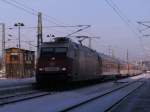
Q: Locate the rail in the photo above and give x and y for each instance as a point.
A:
(85, 105)
(20, 93)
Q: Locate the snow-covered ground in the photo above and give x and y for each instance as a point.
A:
(58, 101)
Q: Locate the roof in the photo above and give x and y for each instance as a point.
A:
(25, 50)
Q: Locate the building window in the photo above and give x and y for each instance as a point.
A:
(14, 58)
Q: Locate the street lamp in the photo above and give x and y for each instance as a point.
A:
(19, 25)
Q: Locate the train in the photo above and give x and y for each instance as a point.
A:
(67, 61)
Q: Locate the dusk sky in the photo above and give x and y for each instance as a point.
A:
(104, 21)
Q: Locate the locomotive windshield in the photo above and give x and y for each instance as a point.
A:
(60, 50)
(46, 51)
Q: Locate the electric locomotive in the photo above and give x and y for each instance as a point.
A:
(66, 61)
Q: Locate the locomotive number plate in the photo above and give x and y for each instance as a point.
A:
(51, 69)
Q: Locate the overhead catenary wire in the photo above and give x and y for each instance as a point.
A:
(33, 27)
(126, 21)
(144, 23)
(19, 7)
(29, 10)
(45, 15)
(118, 12)
(32, 11)
(26, 9)
(124, 18)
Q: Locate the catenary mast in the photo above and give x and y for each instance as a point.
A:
(39, 31)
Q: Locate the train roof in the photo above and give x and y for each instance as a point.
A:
(59, 42)
(102, 55)
(64, 42)
(107, 57)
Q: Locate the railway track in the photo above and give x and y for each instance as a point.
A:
(20, 93)
(104, 102)
(22, 96)
(97, 98)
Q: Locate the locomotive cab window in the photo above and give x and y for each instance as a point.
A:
(60, 50)
(45, 51)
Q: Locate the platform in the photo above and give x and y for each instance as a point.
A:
(138, 101)
(15, 82)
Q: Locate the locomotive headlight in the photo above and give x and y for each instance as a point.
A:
(64, 69)
(41, 69)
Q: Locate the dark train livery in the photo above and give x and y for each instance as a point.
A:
(64, 60)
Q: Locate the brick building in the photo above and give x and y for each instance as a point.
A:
(20, 63)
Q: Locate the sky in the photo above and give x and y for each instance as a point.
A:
(115, 35)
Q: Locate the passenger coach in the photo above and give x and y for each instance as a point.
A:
(64, 60)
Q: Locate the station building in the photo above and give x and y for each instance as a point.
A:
(20, 63)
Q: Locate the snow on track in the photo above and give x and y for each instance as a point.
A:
(59, 101)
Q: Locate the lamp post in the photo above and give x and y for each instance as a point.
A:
(20, 62)
(19, 25)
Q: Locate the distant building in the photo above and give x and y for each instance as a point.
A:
(146, 65)
(1, 66)
(20, 63)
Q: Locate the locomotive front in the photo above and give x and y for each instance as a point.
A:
(53, 63)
